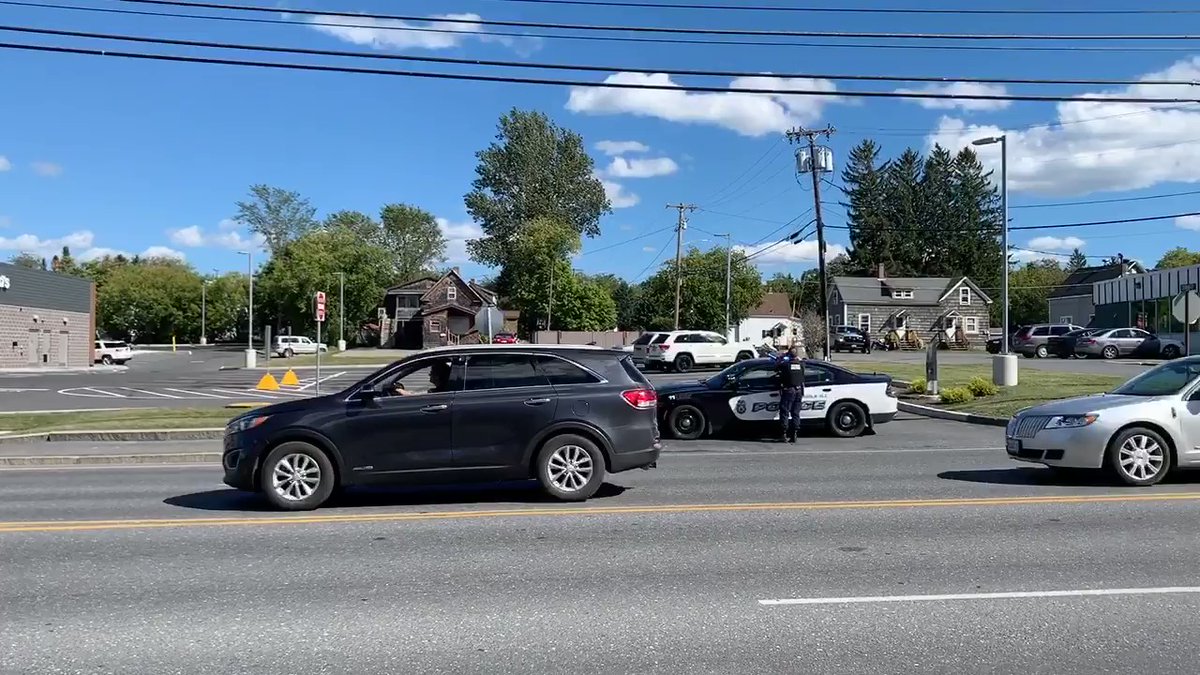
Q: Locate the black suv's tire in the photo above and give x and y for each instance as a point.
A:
(570, 468)
(686, 422)
(684, 363)
(847, 420)
(1127, 463)
(297, 476)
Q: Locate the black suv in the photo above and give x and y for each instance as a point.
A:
(849, 338)
(565, 416)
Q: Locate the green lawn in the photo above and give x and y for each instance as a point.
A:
(149, 418)
(1036, 386)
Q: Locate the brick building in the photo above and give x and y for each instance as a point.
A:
(46, 320)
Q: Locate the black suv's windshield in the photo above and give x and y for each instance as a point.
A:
(1165, 380)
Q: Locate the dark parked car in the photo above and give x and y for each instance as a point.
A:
(1065, 346)
(1034, 341)
(849, 339)
(994, 345)
(565, 416)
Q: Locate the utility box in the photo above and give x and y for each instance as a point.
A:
(823, 160)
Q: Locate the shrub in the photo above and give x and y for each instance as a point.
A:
(981, 387)
(953, 395)
(918, 386)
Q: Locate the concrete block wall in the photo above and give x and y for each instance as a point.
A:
(28, 342)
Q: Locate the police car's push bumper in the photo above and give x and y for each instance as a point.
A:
(880, 418)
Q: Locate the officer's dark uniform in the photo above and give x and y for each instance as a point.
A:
(791, 393)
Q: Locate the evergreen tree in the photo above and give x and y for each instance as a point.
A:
(937, 222)
(973, 243)
(871, 236)
(906, 250)
(1077, 260)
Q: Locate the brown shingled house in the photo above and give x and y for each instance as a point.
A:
(436, 311)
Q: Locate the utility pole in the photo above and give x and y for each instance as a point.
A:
(816, 168)
(550, 305)
(679, 228)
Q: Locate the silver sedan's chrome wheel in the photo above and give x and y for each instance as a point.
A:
(570, 468)
(1141, 457)
(296, 477)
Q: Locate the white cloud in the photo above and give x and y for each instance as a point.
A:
(31, 243)
(1097, 145)
(1048, 243)
(388, 34)
(1188, 222)
(457, 235)
(802, 252)
(5, 165)
(747, 114)
(195, 237)
(641, 168)
(618, 197)
(227, 224)
(47, 169)
(959, 89)
(614, 148)
(648, 249)
(163, 252)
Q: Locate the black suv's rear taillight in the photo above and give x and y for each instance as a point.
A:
(642, 399)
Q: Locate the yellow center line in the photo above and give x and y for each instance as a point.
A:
(78, 525)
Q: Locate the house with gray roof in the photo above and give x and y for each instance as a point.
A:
(923, 304)
(1072, 302)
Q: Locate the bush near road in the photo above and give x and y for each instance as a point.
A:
(1036, 386)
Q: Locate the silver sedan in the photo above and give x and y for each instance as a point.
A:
(1139, 431)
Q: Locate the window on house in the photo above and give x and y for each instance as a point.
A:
(971, 325)
(435, 325)
(1065, 319)
(451, 292)
(964, 296)
(864, 322)
(902, 295)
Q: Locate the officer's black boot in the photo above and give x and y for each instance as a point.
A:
(783, 428)
(791, 434)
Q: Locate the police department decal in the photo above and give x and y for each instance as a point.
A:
(741, 405)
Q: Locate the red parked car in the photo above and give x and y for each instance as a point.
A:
(504, 339)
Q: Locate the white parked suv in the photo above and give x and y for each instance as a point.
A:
(290, 345)
(683, 350)
(109, 352)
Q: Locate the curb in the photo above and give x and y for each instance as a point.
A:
(113, 460)
(103, 436)
(969, 418)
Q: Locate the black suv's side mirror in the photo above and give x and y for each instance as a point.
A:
(368, 393)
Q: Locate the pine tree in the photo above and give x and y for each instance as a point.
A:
(871, 235)
(937, 223)
(974, 243)
(902, 207)
(1077, 260)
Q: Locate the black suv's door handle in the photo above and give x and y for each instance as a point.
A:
(434, 408)
(537, 401)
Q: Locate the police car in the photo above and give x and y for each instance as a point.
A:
(746, 395)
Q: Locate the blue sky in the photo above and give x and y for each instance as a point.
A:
(116, 155)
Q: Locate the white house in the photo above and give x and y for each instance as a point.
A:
(773, 321)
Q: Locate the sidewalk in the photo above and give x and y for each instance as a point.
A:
(69, 453)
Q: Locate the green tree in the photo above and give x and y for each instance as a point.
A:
(581, 303)
(413, 238)
(152, 301)
(1029, 290)
(625, 296)
(355, 221)
(288, 282)
(1076, 261)
(533, 170)
(903, 209)
(937, 221)
(278, 215)
(872, 236)
(1178, 257)
(972, 239)
(227, 306)
(99, 269)
(538, 269)
(29, 261)
(64, 263)
(702, 306)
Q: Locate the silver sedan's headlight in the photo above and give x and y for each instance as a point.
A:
(1071, 421)
(244, 423)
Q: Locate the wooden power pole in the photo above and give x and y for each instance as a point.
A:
(679, 228)
(815, 168)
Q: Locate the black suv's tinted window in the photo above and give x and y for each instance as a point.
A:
(559, 371)
(501, 371)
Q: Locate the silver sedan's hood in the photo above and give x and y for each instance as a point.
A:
(1087, 404)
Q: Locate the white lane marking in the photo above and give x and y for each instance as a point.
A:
(1009, 595)
(288, 392)
(19, 391)
(158, 394)
(245, 393)
(194, 393)
(98, 393)
(323, 379)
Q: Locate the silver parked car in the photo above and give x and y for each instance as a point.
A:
(1117, 342)
(1139, 431)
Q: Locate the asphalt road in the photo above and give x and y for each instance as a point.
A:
(162, 570)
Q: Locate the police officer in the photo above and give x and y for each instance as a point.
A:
(790, 369)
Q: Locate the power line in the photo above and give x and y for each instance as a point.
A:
(981, 230)
(611, 38)
(1106, 201)
(666, 29)
(849, 10)
(656, 257)
(772, 151)
(550, 81)
(576, 67)
(627, 241)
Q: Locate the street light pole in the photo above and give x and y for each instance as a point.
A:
(341, 311)
(251, 356)
(203, 312)
(1004, 366)
(728, 270)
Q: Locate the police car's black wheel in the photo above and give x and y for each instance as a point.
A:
(683, 363)
(847, 420)
(686, 422)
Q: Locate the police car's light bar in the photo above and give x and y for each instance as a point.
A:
(641, 398)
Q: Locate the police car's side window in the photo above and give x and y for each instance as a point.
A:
(816, 375)
(502, 371)
(756, 378)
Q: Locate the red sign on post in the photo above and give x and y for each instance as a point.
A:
(320, 306)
